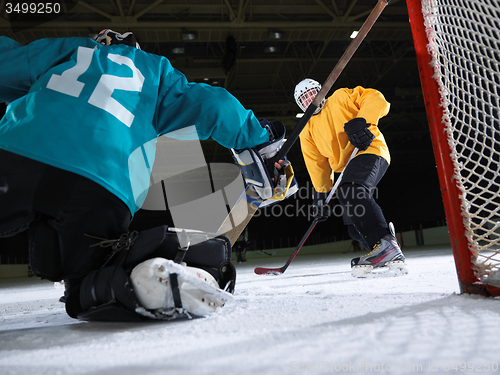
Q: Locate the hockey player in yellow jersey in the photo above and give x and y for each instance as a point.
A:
(345, 120)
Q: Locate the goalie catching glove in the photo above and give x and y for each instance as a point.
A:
(257, 167)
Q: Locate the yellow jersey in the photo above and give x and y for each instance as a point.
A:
(324, 143)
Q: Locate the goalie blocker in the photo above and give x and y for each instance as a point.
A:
(257, 167)
(149, 275)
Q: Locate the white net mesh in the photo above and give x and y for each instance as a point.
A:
(465, 48)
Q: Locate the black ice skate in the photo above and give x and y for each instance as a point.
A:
(386, 256)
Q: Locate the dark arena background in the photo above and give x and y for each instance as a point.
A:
(259, 55)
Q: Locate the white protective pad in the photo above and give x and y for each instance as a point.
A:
(254, 171)
(200, 294)
(252, 165)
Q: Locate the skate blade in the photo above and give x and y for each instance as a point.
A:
(396, 268)
(361, 271)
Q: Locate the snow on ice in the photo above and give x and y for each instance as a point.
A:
(315, 318)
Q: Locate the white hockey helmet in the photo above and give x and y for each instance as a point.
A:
(305, 92)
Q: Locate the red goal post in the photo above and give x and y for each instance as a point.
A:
(458, 49)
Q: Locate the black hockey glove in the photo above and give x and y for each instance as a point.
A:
(358, 133)
(320, 209)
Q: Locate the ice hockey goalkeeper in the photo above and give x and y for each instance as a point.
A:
(77, 109)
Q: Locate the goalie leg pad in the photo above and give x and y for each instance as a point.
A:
(168, 288)
(157, 289)
(208, 251)
(107, 295)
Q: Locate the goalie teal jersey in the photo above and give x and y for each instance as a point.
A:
(84, 107)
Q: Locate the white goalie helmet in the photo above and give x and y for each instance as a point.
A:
(305, 92)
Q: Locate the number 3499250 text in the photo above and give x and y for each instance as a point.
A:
(32, 8)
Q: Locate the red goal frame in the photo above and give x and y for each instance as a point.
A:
(468, 281)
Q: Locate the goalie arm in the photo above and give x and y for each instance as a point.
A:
(216, 113)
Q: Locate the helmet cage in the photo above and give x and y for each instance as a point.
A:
(305, 93)
(307, 98)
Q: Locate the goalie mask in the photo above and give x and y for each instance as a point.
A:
(305, 92)
(109, 37)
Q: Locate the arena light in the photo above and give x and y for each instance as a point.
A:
(188, 35)
(275, 34)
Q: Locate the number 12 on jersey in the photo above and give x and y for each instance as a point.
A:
(67, 83)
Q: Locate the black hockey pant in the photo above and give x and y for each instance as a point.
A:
(60, 209)
(362, 215)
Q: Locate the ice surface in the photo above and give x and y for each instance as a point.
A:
(315, 318)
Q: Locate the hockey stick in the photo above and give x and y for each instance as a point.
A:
(348, 249)
(238, 217)
(281, 270)
(250, 209)
(327, 85)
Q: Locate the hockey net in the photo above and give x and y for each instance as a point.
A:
(460, 74)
